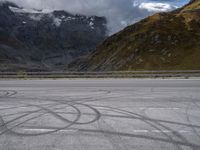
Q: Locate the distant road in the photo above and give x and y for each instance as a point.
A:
(100, 114)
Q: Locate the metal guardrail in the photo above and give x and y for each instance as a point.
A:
(109, 74)
(106, 72)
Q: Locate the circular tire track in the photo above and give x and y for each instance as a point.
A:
(15, 124)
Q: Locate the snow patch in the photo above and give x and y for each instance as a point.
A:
(57, 21)
(92, 18)
(70, 18)
(36, 17)
(91, 24)
(63, 17)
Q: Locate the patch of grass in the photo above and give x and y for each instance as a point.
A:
(159, 42)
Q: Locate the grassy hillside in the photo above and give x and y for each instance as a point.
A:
(164, 41)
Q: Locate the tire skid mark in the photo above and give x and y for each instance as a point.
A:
(155, 126)
(196, 147)
(26, 134)
(58, 109)
(52, 111)
(175, 133)
(5, 124)
(116, 141)
(152, 125)
(47, 132)
(189, 119)
(142, 118)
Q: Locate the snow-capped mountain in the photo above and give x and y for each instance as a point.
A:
(44, 38)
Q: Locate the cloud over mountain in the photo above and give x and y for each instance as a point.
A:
(119, 13)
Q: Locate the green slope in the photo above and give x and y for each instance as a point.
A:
(164, 41)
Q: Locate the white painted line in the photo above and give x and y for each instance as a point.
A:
(168, 131)
(161, 131)
(134, 131)
(140, 131)
(50, 130)
(39, 130)
(159, 108)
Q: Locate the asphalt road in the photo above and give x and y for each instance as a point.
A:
(110, 114)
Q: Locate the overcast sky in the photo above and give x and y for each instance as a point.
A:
(119, 13)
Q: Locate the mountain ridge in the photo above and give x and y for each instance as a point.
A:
(164, 41)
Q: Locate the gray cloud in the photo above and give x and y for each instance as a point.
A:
(119, 13)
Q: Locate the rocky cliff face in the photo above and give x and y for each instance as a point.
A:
(164, 41)
(35, 39)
